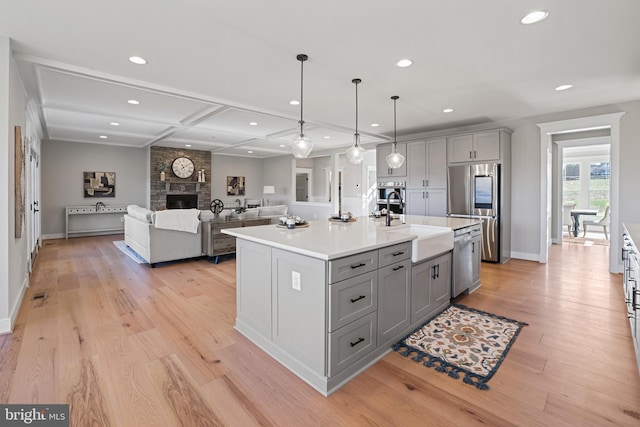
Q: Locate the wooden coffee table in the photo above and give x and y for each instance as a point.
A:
(215, 243)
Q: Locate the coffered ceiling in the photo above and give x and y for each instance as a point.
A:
(215, 67)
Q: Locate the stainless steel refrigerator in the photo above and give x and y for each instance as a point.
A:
(474, 192)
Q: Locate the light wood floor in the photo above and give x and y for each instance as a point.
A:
(127, 345)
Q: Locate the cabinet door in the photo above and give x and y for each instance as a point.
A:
(382, 169)
(421, 275)
(416, 202)
(486, 146)
(436, 163)
(476, 253)
(393, 300)
(460, 148)
(416, 164)
(436, 202)
(430, 287)
(441, 285)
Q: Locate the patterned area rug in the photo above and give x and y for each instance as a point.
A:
(462, 340)
(120, 244)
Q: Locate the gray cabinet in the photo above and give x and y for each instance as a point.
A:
(382, 169)
(427, 163)
(393, 300)
(476, 147)
(427, 178)
(430, 286)
(476, 256)
(426, 202)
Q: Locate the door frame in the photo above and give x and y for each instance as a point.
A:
(547, 130)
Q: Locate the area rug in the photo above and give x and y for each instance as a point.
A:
(462, 340)
(120, 244)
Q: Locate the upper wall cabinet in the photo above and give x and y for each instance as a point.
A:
(382, 168)
(427, 163)
(475, 147)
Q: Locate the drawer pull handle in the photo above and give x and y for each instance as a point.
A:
(400, 267)
(353, 344)
(362, 264)
(357, 299)
(398, 253)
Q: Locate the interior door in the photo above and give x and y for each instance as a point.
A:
(33, 212)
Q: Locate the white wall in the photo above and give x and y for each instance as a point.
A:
(525, 230)
(250, 168)
(13, 251)
(62, 167)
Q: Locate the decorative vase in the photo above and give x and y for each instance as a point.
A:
(162, 176)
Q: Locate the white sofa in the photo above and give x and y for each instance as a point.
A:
(271, 212)
(156, 244)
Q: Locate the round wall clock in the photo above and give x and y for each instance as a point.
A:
(183, 167)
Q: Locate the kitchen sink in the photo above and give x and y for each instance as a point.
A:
(430, 241)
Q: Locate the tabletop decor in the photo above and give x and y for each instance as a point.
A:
(462, 340)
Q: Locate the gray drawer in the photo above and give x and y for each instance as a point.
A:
(352, 298)
(351, 266)
(393, 254)
(348, 345)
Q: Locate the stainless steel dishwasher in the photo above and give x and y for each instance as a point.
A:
(464, 249)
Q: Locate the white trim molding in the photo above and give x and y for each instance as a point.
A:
(547, 130)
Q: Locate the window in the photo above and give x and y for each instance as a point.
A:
(599, 185)
(571, 183)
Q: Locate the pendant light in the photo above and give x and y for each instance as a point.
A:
(355, 153)
(395, 159)
(301, 146)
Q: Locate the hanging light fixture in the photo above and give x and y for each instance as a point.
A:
(355, 153)
(395, 159)
(301, 146)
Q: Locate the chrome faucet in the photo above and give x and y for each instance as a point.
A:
(388, 218)
(99, 206)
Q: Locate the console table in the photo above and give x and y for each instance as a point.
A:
(215, 243)
(70, 211)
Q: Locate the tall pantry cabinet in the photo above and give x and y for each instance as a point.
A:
(427, 177)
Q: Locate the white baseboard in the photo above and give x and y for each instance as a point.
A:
(52, 236)
(526, 256)
(6, 324)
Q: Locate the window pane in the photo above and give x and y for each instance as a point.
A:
(571, 183)
(599, 185)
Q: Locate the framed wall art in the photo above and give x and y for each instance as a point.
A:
(19, 181)
(235, 186)
(99, 184)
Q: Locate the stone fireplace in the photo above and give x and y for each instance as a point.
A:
(174, 188)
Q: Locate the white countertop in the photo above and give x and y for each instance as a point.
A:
(634, 232)
(328, 240)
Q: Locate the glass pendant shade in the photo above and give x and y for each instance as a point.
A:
(395, 159)
(301, 146)
(355, 153)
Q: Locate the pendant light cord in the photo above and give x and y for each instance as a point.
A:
(395, 127)
(301, 93)
(356, 81)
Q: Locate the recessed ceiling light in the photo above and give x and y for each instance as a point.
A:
(114, 124)
(404, 63)
(564, 87)
(250, 152)
(137, 60)
(374, 125)
(187, 145)
(103, 136)
(294, 102)
(253, 124)
(448, 110)
(282, 145)
(133, 102)
(535, 16)
(327, 137)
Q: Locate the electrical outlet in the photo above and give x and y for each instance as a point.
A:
(295, 280)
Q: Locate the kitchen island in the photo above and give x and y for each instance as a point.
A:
(330, 299)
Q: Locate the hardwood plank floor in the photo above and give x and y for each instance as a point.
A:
(127, 345)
